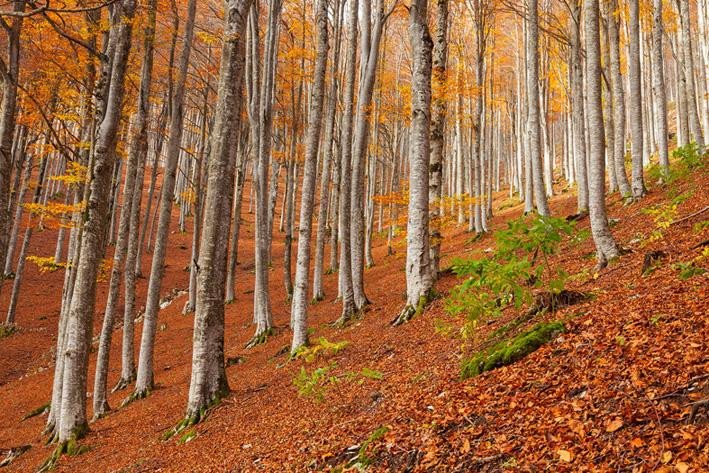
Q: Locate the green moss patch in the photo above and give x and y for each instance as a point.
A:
(511, 350)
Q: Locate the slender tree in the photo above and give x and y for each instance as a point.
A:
(419, 282)
(606, 247)
(299, 306)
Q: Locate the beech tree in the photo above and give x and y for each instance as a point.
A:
(419, 281)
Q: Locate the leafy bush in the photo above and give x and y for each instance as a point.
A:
(322, 346)
(687, 160)
(518, 265)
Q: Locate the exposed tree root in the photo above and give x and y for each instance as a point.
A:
(37, 411)
(259, 338)
(651, 258)
(551, 302)
(101, 411)
(704, 403)
(193, 418)
(122, 384)
(409, 312)
(69, 447)
(12, 453)
(189, 308)
(137, 394)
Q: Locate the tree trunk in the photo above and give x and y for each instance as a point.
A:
(348, 301)
(438, 130)
(618, 157)
(606, 247)
(299, 307)
(208, 382)
(636, 101)
(418, 271)
(144, 381)
(72, 420)
(533, 119)
(8, 114)
(658, 84)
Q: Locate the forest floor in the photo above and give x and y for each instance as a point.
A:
(615, 392)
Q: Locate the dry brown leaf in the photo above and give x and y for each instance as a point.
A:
(614, 425)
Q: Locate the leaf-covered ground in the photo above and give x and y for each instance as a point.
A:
(615, 392)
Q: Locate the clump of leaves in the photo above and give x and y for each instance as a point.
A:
(321, 347)
(363, 459)
(519, 264)
(689, 270)
(664, 215)
(509, 351)
(7, 330)
(46, 264)
(688, 159)
(315, 383)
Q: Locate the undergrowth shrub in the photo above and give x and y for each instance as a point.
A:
(687, 159)
(519, 264)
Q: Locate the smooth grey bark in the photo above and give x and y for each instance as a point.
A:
(658, 84)
(208, 382)
(135, 157)
(371, 39)
(299, 307)
(17, 221)
(144, 380)
(264, 226)
(606, 247)
(349, 306)
(419, 282)
(17, 281)
(687, 63)
(438, 132)
(533, 119)
(234, 238)
(198, 180)
(327, 158)
(618, 93)
(636, 101)
(72, 421)
(9, 72)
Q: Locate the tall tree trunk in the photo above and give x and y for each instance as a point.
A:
(606, 247)
(72, 420)
(360, 144)
(299, 307)
(658, 84)
(687, 55)
(208, 382)
(264, 226)
(8, 112)
(636, 101)
(438, 131)
(533, 119)
(618, 158)
(144, 380)
(419, 282)
(348, 301)
(327, 157)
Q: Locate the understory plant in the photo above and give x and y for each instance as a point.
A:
(507, 277)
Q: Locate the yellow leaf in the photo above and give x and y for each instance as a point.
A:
(614, 425)
(682, 467)
(565, 456)
(666, 457)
